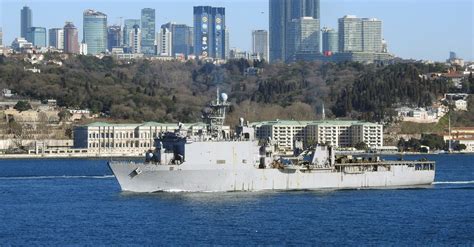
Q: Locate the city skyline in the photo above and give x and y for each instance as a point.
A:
(420, 34)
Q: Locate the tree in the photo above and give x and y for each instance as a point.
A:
(64, 115)
(22, 105)
(361, 146)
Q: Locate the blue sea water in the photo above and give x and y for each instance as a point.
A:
(78, 202)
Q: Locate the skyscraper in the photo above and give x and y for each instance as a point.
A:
(303, 38)
(181, 39)
(282, 12)
(350, 34)
(56, 38)
(260, 43)
(135, 39)
(26, 21)
(165, 40)
(37, 36)
(330, 41)
(360, 34)
(209, 32)
(114, 37)
(127, 27)
(71, 40)
(148, 28)
(371, 35)
(95, 31)
(1, 37)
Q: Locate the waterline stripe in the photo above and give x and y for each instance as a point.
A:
(56, 177)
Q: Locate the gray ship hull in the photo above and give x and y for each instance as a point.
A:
(142, 178)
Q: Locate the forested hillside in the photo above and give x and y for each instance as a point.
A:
(175, 91)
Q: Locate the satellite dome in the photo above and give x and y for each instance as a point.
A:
(224, 97)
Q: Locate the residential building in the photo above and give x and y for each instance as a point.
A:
(282, 12)
(340, 134)
(209, 32)
(330, 41)
(71, 39)
(457, 100)
(303, 38)
(350, 34)
(260, 44)
(37, 36)
(95, 31)
(26, 21)
(56, 38)
(83, 50)
(114, 37)
(127, 27)
(371, 35)
(19, 44)
(165, 41)
(135, 39)
(461, 135)
(148, 30)
(360, 35)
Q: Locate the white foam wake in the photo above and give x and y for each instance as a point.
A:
(455, 182)
(57, 177)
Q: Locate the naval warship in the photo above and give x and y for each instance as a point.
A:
(213, 161)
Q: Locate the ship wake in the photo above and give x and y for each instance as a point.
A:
(454, 182)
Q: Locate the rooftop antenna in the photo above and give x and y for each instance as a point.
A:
(324, 113)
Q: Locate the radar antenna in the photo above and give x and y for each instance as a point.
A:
(214, 116)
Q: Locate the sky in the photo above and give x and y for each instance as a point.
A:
(417, 29)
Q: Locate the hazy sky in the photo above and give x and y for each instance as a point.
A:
(420, 29)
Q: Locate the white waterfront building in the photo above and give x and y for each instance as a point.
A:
(340, 134)
(127, 139)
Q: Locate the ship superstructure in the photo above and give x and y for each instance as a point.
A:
(214, 162)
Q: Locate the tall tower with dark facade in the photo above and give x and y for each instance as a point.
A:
(148, 30)
(114, 37)
(282, 13)
(209, 32)
(26, 21)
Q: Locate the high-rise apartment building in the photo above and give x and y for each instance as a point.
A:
(37, 36)
(330, 41)
(95, 31)
(371, 35)
(148, 27)
(56, 38)
(135, 39)
(165, 41)
(114, 37)
(26, 21)
(209, 32)
(260, 44)
(303, 38)
(282, 13)
(127, 27)
(71, 39)
(350, 34)
(360, 34)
